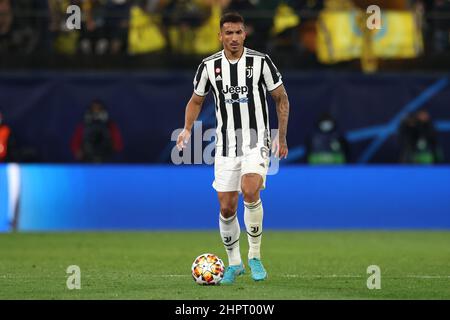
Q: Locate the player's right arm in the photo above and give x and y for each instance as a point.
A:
(193, 108)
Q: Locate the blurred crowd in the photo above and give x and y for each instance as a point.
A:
(135, 27)
(417, 141)
(96, 139)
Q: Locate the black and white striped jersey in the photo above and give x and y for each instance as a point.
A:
(239, 90)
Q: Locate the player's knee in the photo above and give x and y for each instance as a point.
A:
(227, 211)
(250, 193)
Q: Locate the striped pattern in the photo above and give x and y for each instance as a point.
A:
(227, 220)
(253, 235)
(239, 90)
(231, 245)
(253, 205)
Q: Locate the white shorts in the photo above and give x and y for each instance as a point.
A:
(228, 171)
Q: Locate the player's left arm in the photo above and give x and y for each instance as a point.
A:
(280, 97)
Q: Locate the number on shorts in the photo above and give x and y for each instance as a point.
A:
(264, 152)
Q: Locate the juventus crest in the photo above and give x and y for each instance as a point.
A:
(249, 71)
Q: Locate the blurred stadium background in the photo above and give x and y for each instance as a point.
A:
(383, 165)
(388, 97)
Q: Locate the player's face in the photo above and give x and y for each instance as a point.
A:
(232, 36)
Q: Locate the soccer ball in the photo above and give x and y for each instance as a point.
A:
(207, 269)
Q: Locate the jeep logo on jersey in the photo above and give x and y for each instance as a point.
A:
(236, 89)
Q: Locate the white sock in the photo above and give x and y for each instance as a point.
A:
(253, 218)
(230, 232)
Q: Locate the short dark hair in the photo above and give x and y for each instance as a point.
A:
(233, 17)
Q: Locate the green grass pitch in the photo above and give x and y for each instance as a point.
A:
(156, 265)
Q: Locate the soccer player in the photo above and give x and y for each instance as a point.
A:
(239, 78)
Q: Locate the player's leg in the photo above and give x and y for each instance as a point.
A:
(253, 218)
(254, 171)
(226, 183)
(230, 232)
(229, 225)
